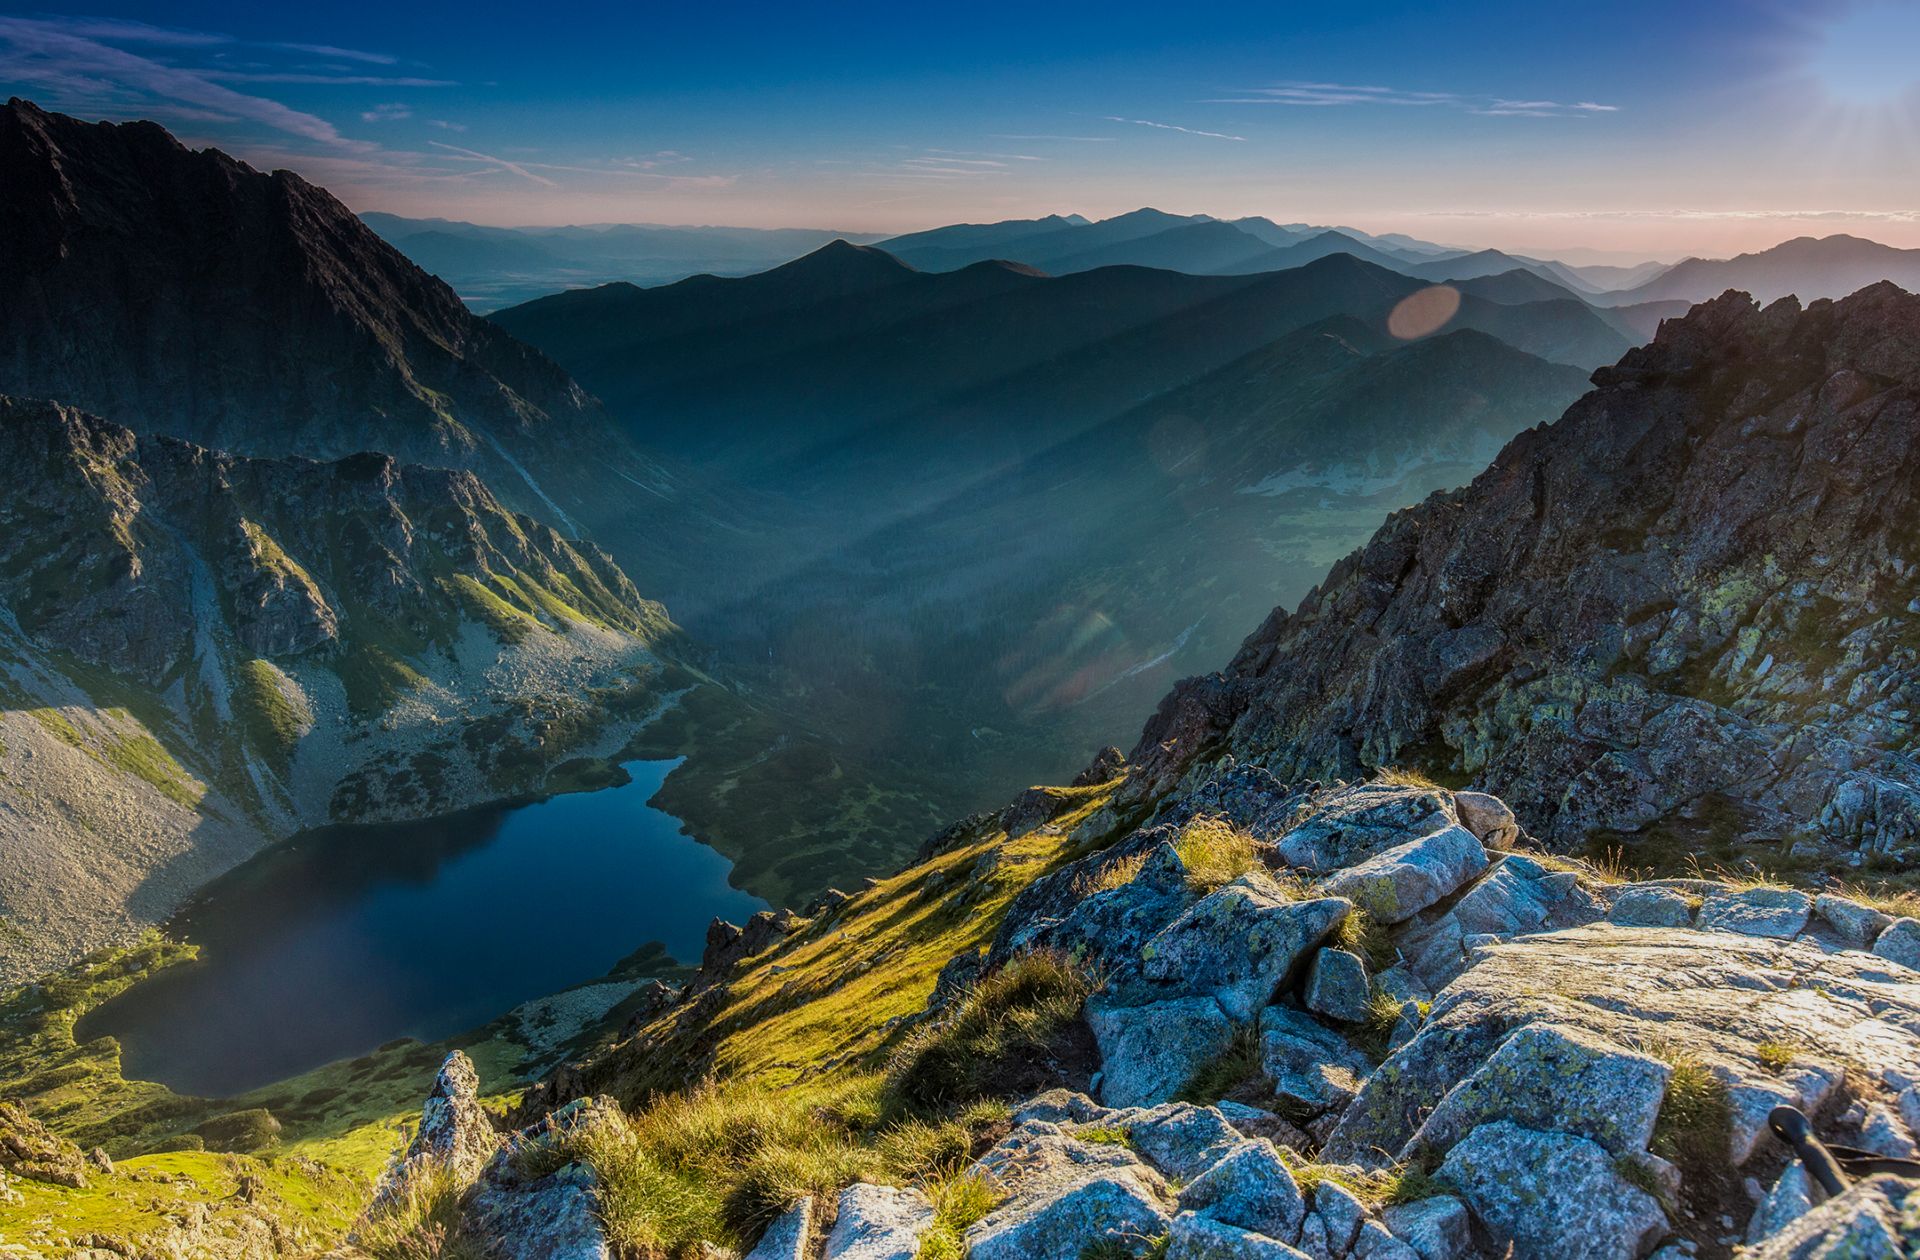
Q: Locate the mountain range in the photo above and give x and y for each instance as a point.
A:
(491, 267)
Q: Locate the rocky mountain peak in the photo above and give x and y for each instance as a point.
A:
(1685, 609)
(189, 294)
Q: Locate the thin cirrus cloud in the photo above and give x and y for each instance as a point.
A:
(1160, 126)
(1312, 95)
(76, 64)
(530, 170)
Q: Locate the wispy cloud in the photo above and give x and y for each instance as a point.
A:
(311, 76)
(499, 163)
(444, 125)
(73, 60)
(1314, 95)
(1068, 139)
(390, 112)
(1160, 126)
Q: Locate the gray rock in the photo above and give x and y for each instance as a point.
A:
(1309, 1064)
(1350, 825)
(1180, 1139)
(1852, 922)
(1650, 905)
(1790, 1199)
(1488, 818)
(1249, 1187)
(1400, 882)
(878, 1223)
(1337, 986)
(1715, 997)
(1553, 1077)
(454, 1132)
(1900, 943)
(1196, 1237)
(1341, 1211)
(1148, 1053)
(1063, 1193)
(1376, 1242)
(1883, 1133)
(1313, 1238)
(788, 1236)
(1254, 1122)
(1240, 942)
(1552, 1195)
(552, 1218)
(1061, 1227)
(1909, 1104)
(1773, 912)
(1874, 1220)
(1521, 895)
(1435, 1228)
(1060, 1106)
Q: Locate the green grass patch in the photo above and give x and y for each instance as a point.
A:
(269, 722)
(58, 725)
(1214, 853)
(376, 680)
(1014, 1014)
(509, 624)
(142, 756)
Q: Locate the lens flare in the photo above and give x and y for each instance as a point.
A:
(1425, 312)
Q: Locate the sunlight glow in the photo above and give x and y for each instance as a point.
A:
(1868, 56)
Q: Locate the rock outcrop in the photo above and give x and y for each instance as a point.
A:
(1727, 507)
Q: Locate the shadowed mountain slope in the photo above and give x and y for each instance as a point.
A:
(1681, 614)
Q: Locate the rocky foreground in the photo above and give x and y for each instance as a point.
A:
(1428, 1040)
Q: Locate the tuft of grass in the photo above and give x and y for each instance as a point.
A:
(1363, 934)
(960, 1202)
(1375, 1032)
(1113, 875)
(423, 1223)
(1376, 1187)
(1214, 853)
(1105, 1135)
(1238, 1063)
(1114, 1247)
(1405, 776)
(1013, 1014)
(1695, 1125)
(1776, 1056)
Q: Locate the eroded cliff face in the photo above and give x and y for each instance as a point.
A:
(201, 651)
(1689, 607)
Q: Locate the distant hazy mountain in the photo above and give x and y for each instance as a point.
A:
(1806, 267)
(1209, 248)
(185, 293)
(1319, 245)
(492, 267)
(983, 364)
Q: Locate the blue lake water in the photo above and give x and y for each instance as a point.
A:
(344, 938)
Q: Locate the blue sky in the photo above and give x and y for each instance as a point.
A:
(1696, 126)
